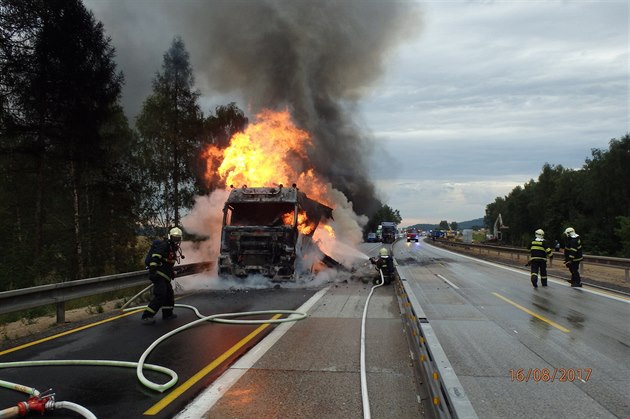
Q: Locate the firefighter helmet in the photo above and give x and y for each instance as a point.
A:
(383, 252)
(175, 235)
(540, 232)
(569, 231)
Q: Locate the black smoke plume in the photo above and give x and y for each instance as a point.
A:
(318, 58)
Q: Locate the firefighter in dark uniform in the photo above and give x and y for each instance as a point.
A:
(161, 273)
(385, 264)
(573, 255)
(539, 252)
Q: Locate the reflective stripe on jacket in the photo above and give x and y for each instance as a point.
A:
(539, 249)
(163, 260)
(573, 249)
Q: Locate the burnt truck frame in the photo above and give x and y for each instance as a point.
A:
(260, 232)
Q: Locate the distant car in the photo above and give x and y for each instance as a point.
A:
(371, 237)
(413, 235)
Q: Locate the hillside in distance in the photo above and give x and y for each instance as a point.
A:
(476, 223)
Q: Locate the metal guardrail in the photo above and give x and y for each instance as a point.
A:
(447, 397)
(611, 262)
(59, 294)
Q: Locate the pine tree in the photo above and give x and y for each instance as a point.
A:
(170, 125)
(59, 87)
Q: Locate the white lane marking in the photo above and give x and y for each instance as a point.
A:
(557, 281)
(207, 398)
(448, 282)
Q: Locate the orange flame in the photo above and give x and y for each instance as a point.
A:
(304, 225)
(330, 230)
(271, 151)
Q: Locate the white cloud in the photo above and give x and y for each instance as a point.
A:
(483, 97)
(434, 200)
(489, 93)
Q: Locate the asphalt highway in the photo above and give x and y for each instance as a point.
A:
(111, 392)
(313, 370)
(520, 352)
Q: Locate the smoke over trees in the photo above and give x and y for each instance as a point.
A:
(316, 58)
(81, 168)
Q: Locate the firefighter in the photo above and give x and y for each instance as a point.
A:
(161, 273)
(539, 252)
(573, 255)
(384, 263)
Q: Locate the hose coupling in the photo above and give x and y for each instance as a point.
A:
(39, 404)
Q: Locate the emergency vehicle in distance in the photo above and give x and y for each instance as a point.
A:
(413, 234)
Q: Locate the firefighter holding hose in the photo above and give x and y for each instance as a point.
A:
(384, 263)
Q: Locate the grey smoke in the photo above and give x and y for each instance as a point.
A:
(318, 58)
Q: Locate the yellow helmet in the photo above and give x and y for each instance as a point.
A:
(540, 232)
(569, 231)
(175, 235)
(383, 252)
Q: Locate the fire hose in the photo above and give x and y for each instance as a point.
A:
(41, 403)
(364, 390)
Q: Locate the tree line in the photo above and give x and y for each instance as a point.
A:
(594, 200)
(78, 179)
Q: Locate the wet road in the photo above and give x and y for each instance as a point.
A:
(550, 352)
(518, 352)
(198, 355)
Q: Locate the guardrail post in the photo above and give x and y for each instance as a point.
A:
(626, 276)
(61, 312)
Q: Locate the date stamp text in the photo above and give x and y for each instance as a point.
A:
(550, 374)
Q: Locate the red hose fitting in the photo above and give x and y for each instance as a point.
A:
(33, 404)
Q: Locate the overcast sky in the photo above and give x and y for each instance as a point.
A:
(470, 103)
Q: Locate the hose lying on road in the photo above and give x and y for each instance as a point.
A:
(364, 390)
(140, 366)
(217, 318)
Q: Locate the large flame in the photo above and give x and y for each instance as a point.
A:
(304, 225)
(270, 152)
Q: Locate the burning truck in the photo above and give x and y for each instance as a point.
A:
(269, 231)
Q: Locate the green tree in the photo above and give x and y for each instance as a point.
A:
(606, 195)
(593, 200)
(218, 129)
(623, 233)
(170, 126)
(443, 225)
(226, 121)
(59, 87)
(384, 213)
(493, 211)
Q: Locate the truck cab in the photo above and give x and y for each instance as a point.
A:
(266, 230)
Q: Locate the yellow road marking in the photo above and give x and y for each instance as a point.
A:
(531, 313)
(68, 332)
(156, 408)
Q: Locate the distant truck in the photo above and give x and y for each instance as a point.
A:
(379, 233)
(413, 235)
(267, 231)
(437, 234)
(389, 229)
